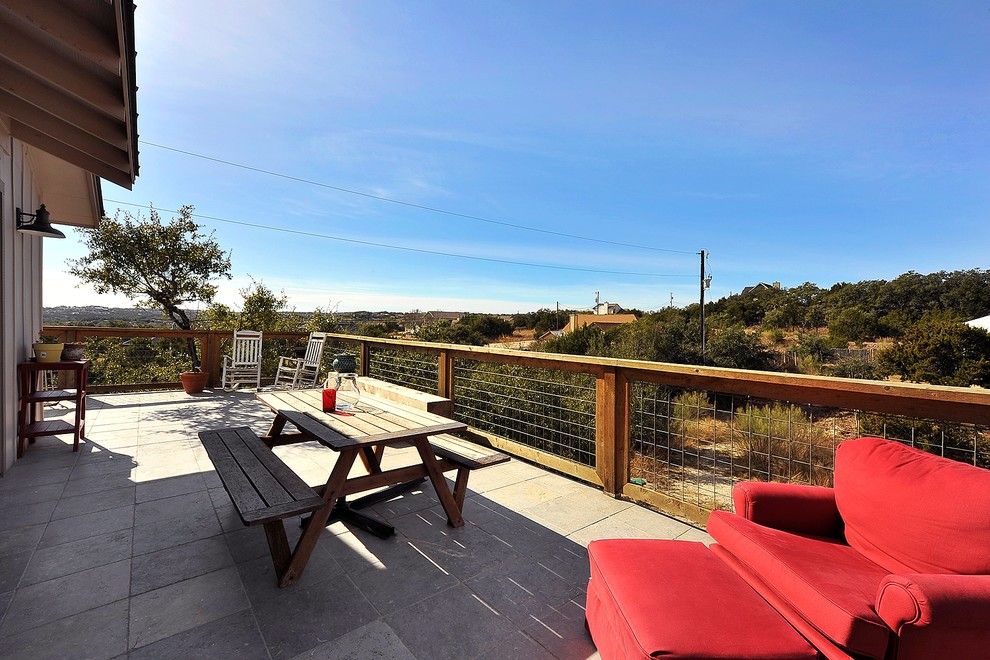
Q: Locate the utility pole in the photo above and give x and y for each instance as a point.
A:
(558, 316)
(703, 283)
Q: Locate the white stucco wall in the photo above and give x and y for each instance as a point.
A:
(20, 281)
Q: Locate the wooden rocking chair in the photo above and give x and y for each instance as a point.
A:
(295, 373)
(243, 365)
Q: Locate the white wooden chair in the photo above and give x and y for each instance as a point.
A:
(295, 373)
(243, 365)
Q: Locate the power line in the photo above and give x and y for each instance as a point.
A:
(421, 207)
(391, 246)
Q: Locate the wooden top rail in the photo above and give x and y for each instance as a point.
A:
(939, 402)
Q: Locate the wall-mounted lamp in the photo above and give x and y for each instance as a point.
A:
(39, 224)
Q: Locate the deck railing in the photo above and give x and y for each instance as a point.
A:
(673, 436)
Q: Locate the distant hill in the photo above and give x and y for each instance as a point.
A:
(106, 316)
(98, 315)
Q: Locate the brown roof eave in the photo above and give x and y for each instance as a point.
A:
(125, 23)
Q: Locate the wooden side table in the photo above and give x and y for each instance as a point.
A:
(32, 424)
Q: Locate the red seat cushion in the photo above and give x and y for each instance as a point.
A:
(913, 512)
(828, 582)
(651, 598)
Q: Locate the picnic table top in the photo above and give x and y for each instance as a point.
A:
(376, 418)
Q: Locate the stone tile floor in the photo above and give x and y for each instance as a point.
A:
(131, 547)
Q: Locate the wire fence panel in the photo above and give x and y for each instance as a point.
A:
(552, 411)
(417, 370)
(694, 445)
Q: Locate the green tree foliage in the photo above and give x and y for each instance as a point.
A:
(476, 329)
(384, 329)
(158, 264)
(542, 320)
(940, 349)
(814, 346)
(489, 326)
(671, 335)
(584, 341)
(735, 348)
(260, 309)
(853, 324)
(856, 368)
(446, 332)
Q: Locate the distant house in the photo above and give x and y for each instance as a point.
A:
(551, 334)
(607, 308)
(760, 287)
(601, 321)
(983, 323)
(433, 317)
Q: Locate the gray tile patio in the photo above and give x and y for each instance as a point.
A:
(131, 547)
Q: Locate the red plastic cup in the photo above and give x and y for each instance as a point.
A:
(329, 400)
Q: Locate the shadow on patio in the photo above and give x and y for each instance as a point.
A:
(132, 545)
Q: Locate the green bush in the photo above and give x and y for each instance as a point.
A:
(856, 368)
(780, 442)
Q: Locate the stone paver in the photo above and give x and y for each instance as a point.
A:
(132, 546)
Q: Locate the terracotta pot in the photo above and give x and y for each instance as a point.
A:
(193, 382)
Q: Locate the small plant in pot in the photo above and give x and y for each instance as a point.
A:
(47, 349)
(73, 350)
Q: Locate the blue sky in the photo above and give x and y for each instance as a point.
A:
(794, 141)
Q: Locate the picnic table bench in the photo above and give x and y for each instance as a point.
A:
(265, 491)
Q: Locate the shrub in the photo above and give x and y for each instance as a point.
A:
(855, 368)
(780, 442)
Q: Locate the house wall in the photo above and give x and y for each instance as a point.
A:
(20, 280)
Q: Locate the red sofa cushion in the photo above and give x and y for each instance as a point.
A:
(913, 512)
(828, 582)
(674, 599)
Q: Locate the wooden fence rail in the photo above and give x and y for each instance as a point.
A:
(614, 380)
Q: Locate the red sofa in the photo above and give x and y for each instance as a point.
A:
(893, 562)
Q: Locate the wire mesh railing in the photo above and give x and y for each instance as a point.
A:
(693, 445)
(551, 411)
(416, 370)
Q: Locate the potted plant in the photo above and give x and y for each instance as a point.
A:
(73, 350)
(46, 349)
(194, 380)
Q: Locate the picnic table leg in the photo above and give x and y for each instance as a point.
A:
(371, 460)
(275, 430)
(450, 507)
(278, 544)
(310, 536)
(460, 487)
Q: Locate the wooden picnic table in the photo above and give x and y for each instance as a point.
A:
(364, 432)
(265, 491)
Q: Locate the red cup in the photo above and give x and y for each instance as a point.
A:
(329, 400)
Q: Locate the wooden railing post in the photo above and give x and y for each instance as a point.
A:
(364, 366)
(612, 429)
(211, 358)
(445, 374)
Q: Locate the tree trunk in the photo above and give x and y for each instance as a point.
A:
(180, 319)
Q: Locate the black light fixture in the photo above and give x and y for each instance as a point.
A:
(39, 224)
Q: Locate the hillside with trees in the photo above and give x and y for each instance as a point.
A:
(913, 325)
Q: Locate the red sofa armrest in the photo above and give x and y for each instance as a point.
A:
(943, 601)
(789, 507)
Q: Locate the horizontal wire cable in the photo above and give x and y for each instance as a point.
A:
(422, 207)
(391, 246)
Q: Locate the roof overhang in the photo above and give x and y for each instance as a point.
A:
(67, 83)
